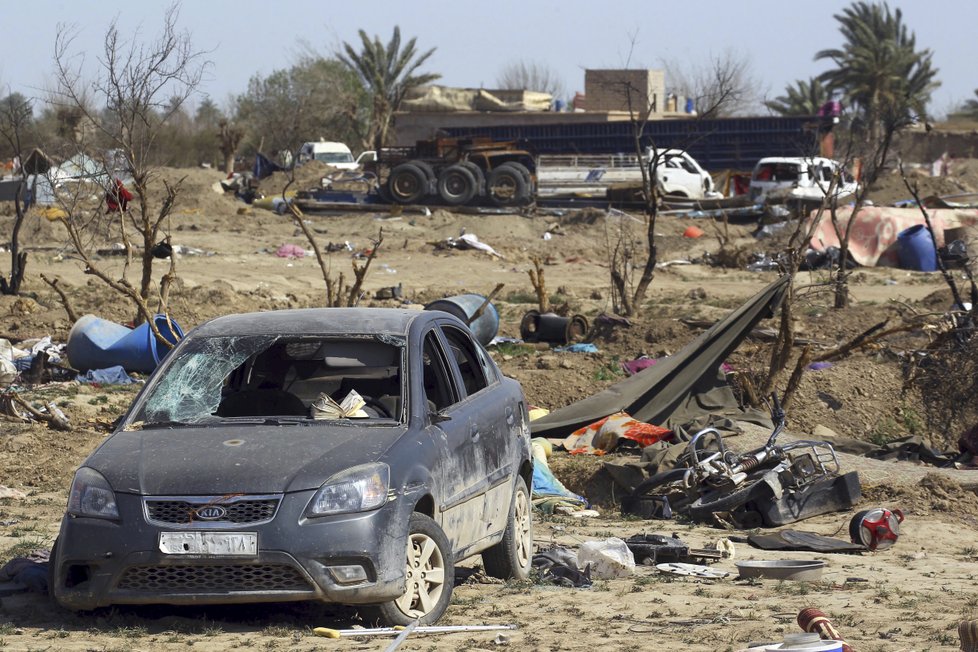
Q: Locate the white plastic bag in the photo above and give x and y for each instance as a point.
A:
(609, 559)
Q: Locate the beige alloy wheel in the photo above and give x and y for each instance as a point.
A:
(523, 529)
(425, 577)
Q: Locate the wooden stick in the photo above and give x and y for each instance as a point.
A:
(72, 316)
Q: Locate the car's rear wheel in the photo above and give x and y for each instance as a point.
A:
(512, 557)
(430, 576)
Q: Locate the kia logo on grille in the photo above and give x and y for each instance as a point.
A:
(210, 513)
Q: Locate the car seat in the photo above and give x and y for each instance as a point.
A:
(261, 403)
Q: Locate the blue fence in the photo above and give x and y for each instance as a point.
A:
(726, 143)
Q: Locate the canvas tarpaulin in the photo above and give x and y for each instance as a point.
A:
(433, 99)
(874, 231)
(678, 388)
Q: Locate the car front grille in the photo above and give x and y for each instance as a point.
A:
(208, 579)
(239, 510)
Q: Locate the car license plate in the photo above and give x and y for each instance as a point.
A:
(218, 544)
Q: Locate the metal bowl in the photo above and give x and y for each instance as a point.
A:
(800, 570)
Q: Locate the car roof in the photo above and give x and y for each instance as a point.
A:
(317, 321)
(795, 159)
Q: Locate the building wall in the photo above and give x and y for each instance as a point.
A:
(609, 90)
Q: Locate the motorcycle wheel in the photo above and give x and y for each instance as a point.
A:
(703, 508)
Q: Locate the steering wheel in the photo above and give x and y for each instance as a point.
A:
(377, 405)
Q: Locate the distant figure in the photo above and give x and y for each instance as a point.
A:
(117, 198)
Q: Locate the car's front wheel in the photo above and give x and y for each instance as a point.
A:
(512, 557)
(430, 576)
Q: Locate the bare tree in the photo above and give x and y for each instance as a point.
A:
(532, 76)
(15, 118)
(625, 254)
(142, 85)
(229, 137)
(726, 85)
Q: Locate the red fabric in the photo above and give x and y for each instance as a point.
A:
(117, 198)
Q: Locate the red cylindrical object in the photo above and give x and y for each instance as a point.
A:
(815, 621)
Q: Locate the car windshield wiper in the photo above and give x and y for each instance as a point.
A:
(268, 421)
(166, 424)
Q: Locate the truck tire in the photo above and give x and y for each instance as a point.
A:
(525, 171)
(407, 184)
(427, 169)
(456, 185)
(478, 174)
(507, 187)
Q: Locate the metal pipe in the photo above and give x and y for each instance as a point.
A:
(427, 629)
(396, 643)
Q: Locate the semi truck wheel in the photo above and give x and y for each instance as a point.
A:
(456, 185)
(407, 184)
(507, 187)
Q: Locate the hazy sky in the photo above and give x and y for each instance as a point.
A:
(475, 40)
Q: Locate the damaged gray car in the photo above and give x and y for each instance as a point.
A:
(349, 456)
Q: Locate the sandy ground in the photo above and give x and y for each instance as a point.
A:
(907, 598)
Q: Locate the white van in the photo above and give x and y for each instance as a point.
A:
(335, 154)
(798, 178)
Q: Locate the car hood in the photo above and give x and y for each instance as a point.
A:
(256, 459)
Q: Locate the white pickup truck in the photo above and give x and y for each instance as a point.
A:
(677, 174)
(338, 155)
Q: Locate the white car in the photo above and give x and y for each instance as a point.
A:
(331, 153)
(799, 178)
(679, 175)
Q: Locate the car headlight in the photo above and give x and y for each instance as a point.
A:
(92, 496)
(357, 489)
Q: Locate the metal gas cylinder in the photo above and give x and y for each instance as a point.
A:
(877, 528)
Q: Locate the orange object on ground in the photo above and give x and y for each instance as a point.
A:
(693, 232)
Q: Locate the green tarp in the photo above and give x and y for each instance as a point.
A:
(677, 389)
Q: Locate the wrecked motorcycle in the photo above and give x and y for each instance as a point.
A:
(772, 485)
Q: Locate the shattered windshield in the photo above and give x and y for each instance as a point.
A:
(274, 377)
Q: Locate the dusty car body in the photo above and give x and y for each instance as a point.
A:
(804, 178)
(219, 487)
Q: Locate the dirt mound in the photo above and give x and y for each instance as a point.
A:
(306, 176)
(934, 493)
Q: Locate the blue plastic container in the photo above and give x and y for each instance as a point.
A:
(915, 249)
(95, 343)
(464, 306)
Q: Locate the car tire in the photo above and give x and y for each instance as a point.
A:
(512, 557)
(407, 184)
(456, 185)
(426, 596)
(506, 186)
(52, 575)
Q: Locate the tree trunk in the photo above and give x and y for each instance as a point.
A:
(229, 163)
(18, 258)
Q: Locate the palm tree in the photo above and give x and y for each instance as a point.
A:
(805, 97)
(969, 109)
(879, 68)
(386, 73)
